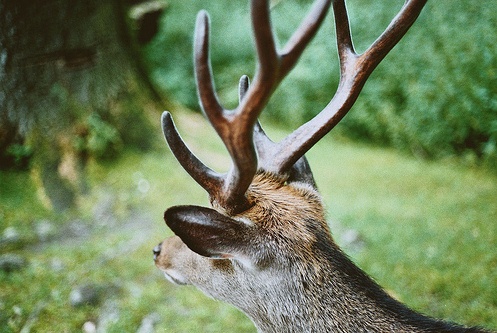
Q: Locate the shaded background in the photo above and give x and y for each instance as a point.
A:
(409, 175)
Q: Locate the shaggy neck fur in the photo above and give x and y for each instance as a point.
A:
(321, 290)
(278, 263)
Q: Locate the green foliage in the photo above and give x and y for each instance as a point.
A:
(103, 139)
(169, 55)
(19, 152)
(434, 95)
(16, 156)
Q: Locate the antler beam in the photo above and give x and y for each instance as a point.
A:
(236, 127)
(354, 71)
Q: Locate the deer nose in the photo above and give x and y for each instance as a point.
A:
(156, 250)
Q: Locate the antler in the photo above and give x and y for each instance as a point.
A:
(237, 127)
(354, 71)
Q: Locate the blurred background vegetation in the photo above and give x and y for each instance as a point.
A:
(433, 96)
(85, 176)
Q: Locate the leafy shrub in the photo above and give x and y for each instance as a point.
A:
(20, 154)
(103, 140)
(434, 95)
(14, 152)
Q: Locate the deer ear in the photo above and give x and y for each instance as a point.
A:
(208, 232)
(301, 172)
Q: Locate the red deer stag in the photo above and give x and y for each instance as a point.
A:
(265, 246)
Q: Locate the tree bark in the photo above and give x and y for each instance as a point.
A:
(70, 85)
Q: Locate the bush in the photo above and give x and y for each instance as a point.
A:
(103, 139)
(14, 152)
(434, 95)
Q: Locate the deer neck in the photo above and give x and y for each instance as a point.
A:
(340, 297)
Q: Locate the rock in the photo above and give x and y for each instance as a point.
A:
(148, 323)
(12, 262)
(87, 294)
(143, 186)
(89, 327)
(92, 293)
(109, 316)
(10, 236)
(353, 240)
(77, 228)
(57, 265)
(44, 230)
(103, 211)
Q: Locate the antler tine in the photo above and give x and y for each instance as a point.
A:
(230, 193)
(303, 35)
(345, 45)
(355, 69)
(263, 144)
(300, 171)
(204, 176)
(243, 86)
(274, 66)
(264, 41)
(236, 127)
(203, 72)
(210, 180)
(396, 29)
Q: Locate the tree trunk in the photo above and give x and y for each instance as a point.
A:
(70, 85)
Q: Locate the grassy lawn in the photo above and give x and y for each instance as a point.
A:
(426, 231)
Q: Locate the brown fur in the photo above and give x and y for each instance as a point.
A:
(291, 276)
(266, 247)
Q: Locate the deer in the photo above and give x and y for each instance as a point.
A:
(264, 245)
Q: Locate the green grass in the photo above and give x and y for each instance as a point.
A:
(429, 230)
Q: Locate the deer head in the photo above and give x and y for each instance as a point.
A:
(265, 246)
